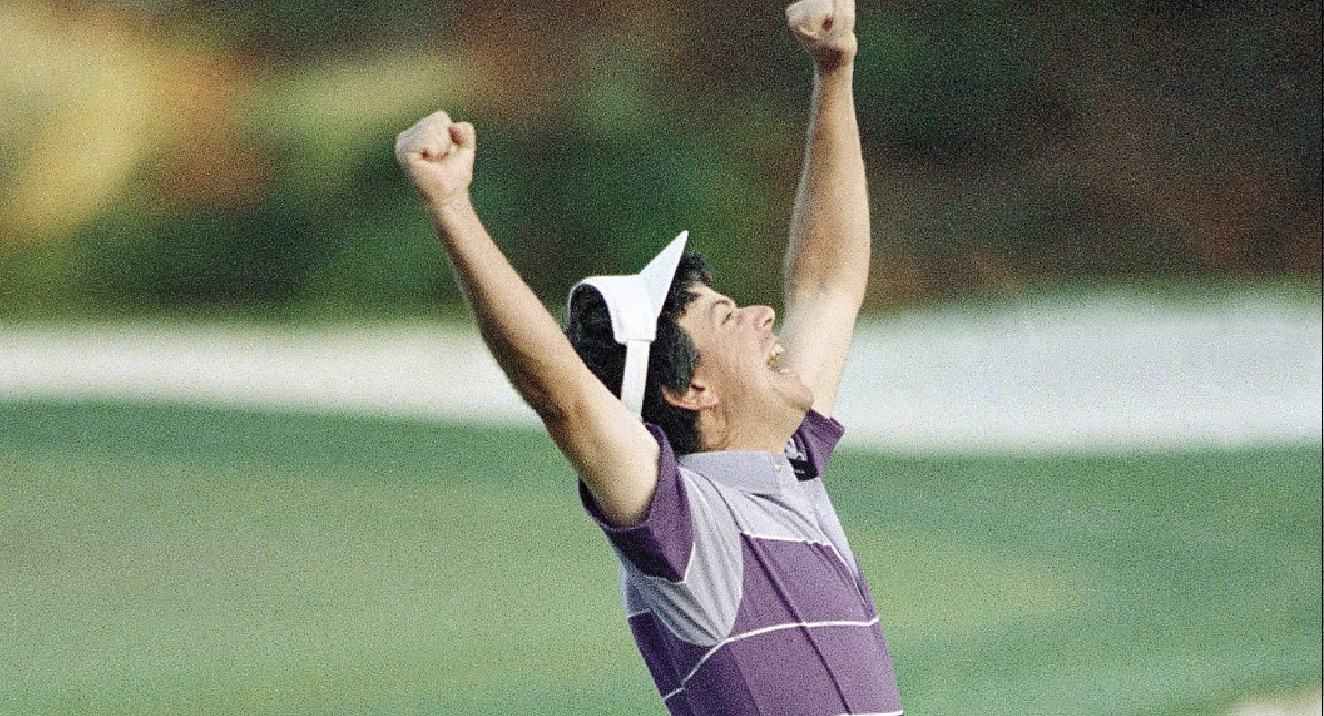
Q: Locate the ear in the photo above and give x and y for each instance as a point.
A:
(699, 396)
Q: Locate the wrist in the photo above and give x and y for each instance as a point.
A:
(447, 210)
(839, 62)
(838, 69)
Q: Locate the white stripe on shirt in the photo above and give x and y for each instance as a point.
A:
(764, 630)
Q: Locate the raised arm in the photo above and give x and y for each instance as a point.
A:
(611, 450)
(827, 261)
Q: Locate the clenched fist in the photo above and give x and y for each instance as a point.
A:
(438, 156)
(826, 28)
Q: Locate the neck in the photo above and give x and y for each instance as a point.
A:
(719, 432)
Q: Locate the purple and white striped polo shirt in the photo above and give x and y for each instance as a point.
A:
(742, 593)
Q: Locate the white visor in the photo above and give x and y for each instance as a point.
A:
(634, 303)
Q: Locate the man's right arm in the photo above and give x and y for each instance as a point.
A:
(611, 450)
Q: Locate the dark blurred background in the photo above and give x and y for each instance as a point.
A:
(195, 156)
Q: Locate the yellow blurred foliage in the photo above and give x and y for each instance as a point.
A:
(112, 111)
(90, 115)
(330, 110)
(100, 106)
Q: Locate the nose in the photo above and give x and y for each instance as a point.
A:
(764, 316)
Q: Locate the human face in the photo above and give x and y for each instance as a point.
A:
(740, 375)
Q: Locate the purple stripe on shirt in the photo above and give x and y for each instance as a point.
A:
(796, 582)
(804, 642)
(816, 671)
(669, 659)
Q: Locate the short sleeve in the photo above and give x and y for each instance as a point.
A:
(810, 448)
(661, 545)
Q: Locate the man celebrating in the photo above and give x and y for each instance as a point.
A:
(739, 585)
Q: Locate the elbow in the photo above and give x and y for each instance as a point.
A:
(536, 394)
(543, 404)
(556, 405)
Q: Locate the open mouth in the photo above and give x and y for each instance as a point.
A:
(774, 359)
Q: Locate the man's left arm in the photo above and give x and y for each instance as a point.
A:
(827, 261)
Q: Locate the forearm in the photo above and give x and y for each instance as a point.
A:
(827, 260)
(524, 338)
(612, 452)
(829, 237)
(609, 449)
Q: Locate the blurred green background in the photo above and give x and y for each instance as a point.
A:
(194, 156)
(173, 560)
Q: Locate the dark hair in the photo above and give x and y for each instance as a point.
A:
(671, 359)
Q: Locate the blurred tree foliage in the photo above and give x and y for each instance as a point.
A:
(1009, 145)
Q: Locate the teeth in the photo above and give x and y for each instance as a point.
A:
(777, 352)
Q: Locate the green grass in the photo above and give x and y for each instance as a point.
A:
(160, 560)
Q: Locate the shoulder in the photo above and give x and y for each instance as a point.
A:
(820, 428)
(813, 443)
(660, 544)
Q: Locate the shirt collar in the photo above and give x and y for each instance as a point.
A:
(753, 471)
